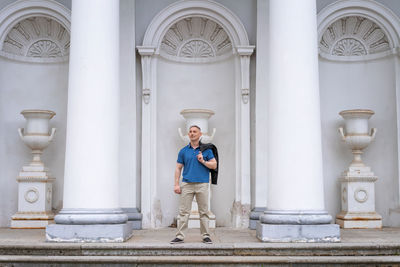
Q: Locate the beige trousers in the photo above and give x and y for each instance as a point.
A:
(188, 191)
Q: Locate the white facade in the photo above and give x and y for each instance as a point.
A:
(156, 82)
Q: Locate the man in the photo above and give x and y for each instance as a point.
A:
(196, 168)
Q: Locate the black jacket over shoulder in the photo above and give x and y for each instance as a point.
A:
(214, 173)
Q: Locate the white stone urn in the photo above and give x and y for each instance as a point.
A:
(358, 181)
(35, 182)
(36, 134)
(356, 134)
(200, 118)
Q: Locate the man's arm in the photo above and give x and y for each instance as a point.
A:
(211, 164)
(178, 171)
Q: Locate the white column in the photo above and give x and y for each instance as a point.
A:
(261, 114)
(91, 205)
(295, 210)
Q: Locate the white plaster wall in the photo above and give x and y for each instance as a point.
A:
(29, 86)
(208, 86)
(369, 85)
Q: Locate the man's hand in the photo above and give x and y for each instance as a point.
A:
(177, 189)
(200, 157)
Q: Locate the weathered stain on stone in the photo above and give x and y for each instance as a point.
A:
(240, 214)
(157, 213)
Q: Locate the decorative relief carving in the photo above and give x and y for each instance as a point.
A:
(31, 195)
(196, 48)
(361, 195)
(349, 47)
(44, 48)
(196, 37)
(37, 37)
(353, 36)
(48, 195)
(344, 195)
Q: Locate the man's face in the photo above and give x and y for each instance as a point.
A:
(194, 134)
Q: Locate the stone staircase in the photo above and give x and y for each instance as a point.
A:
(197, 254)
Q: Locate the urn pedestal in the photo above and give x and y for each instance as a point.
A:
(358, 181)
(200, 118)
(35, 183)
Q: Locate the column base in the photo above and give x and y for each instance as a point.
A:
(135, 217)
(359, 220)
(89, 225)
(255, 216)
(328, 233)
(89, 233)
(297, 226)
(31, 220)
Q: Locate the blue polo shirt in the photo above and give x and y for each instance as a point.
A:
(193, 170)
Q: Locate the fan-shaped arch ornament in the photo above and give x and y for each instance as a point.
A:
(37, 37)
(35, 31)
(194, 38)
(354, 30)
(353, 36)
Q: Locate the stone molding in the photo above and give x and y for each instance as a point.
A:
(357, 30)
(91, 216)
(152, 47)
(35, 31)
(300, 217)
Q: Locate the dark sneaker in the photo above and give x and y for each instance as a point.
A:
(176, 241)
(207, 240)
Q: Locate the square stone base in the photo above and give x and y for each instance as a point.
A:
(136, 225)
(30, 224)
(298, 233)
(255, 217)
(359, 224)
(88, 233)
(135, 217)
(253, 224)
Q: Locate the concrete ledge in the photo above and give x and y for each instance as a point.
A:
(201, 260)
(88, 233)
(298, 233)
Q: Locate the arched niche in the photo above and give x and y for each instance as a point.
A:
(35, 31)
(33, 74)
(186, 37)
(359, 68)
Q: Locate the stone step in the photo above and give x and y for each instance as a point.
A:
(17, 261)
(199, 249)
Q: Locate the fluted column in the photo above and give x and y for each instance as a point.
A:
(295, 202)
(91, 206)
